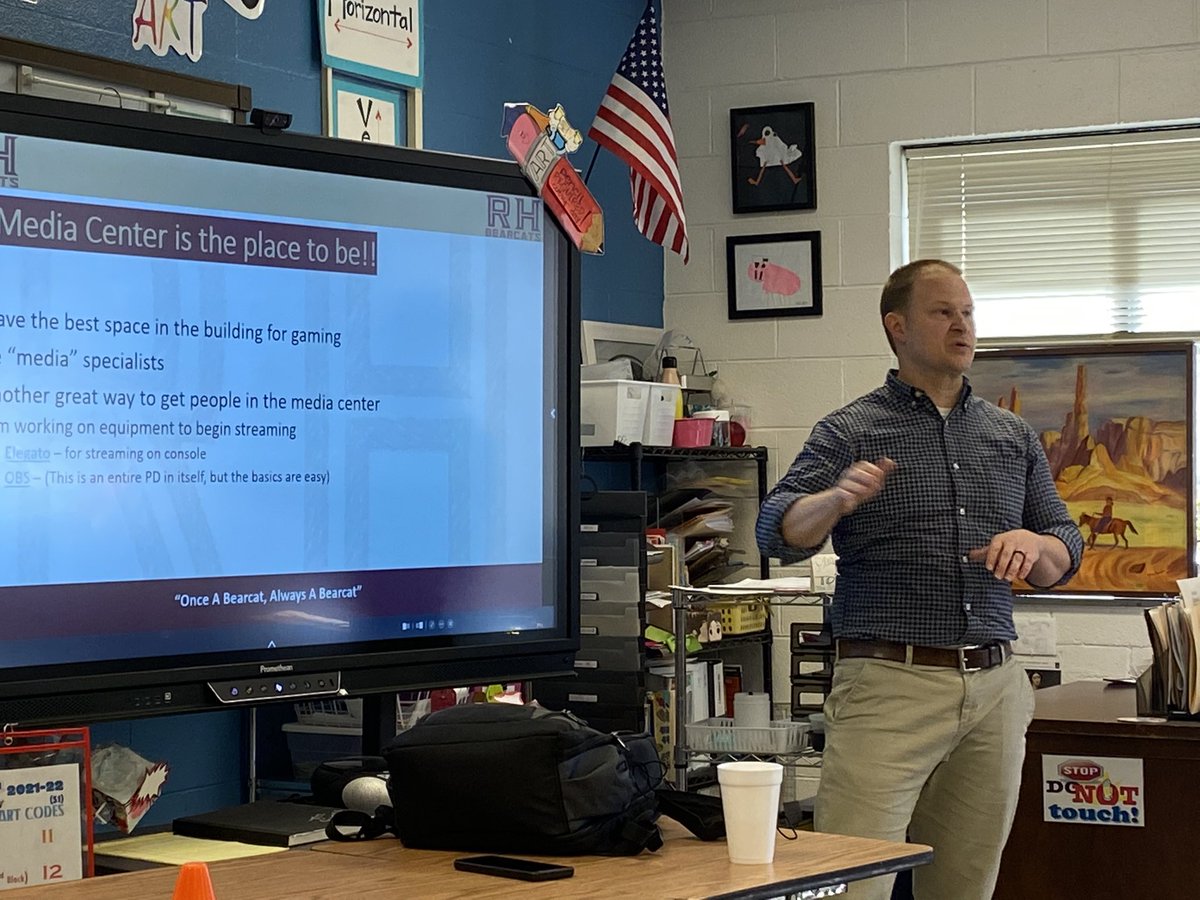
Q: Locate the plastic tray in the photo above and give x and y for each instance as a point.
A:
(720, 735)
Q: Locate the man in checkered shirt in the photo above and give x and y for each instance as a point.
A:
(936, 501)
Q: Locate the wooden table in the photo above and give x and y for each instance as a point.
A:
(1076, 861)
(684, 868)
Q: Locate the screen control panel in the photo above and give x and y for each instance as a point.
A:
(264, 687)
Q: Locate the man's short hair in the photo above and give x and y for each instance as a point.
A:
(897, 291)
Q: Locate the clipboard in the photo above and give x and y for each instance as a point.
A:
(46, 833)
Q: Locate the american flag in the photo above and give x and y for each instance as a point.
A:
(633, 122)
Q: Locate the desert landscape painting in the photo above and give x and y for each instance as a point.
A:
(1115, 424)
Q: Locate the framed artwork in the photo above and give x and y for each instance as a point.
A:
(606, 341)
(1116, 423)
(772, 275)
(774, 158)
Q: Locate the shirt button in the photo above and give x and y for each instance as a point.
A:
(966, 559)
(967, 607)
(954, 466)
(961, 511)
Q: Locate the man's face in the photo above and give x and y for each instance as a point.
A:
(936, 333)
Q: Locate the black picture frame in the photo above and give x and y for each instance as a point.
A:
(773, 158)
(774, 275)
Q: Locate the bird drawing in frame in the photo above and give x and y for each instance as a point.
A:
(772, 151)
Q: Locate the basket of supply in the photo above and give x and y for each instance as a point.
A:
(741, 616)
(720, 735)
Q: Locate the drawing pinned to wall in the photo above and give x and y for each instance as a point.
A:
(773, 155)
(773, 275)
(1116, 424)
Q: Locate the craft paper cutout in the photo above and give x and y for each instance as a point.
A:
(125, 784)
(539, 143)
(164, 26)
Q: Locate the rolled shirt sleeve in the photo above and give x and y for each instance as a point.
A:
(825, 456)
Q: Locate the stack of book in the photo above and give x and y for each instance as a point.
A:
(272, 823)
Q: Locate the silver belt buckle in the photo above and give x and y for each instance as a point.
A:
(962, 659)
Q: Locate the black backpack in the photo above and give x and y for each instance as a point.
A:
(501, 778)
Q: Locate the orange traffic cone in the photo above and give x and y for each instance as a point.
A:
(193, 883)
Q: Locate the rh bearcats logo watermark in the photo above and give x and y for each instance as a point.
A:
(514, 217)
(8, 162)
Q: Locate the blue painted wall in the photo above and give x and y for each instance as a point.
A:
(206, 753)
(482, 54)
(478, 54)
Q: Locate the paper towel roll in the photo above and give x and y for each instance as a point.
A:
(752, 710)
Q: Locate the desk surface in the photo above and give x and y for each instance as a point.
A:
(684, 868)
(1098, 708)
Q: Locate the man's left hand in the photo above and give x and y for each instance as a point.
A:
(1010, 555)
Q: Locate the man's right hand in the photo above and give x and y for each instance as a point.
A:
(809, 520)
(860, 482)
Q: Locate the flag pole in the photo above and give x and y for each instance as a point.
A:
(595, 153)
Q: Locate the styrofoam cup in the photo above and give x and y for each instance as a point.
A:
(750, 802)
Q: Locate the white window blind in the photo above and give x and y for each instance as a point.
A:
(1087, 235)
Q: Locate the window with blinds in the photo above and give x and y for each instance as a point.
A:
(1086, 235)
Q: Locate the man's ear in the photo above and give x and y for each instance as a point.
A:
(893, 323)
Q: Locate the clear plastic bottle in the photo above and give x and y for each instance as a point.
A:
(670, 375)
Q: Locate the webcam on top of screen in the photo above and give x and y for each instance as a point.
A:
(270, 121)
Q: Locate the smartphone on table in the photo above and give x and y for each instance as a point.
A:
(511, 867)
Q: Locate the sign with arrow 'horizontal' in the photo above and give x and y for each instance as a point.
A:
(373, 38)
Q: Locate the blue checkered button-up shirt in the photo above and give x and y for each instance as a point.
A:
(903, 570)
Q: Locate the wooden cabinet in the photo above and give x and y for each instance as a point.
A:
(1078, 861)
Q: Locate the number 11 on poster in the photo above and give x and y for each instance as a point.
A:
(39, 826)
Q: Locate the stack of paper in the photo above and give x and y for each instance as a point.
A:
(710, 561)
(792, 584)
(699, 517)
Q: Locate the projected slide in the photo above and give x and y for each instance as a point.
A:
(196, 386)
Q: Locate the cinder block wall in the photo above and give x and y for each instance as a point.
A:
(882, 72)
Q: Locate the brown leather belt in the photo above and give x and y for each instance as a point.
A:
(965, 659)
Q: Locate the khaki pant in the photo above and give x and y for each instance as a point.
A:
(927, 754)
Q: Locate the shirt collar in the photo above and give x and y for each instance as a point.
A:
(904, 391)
